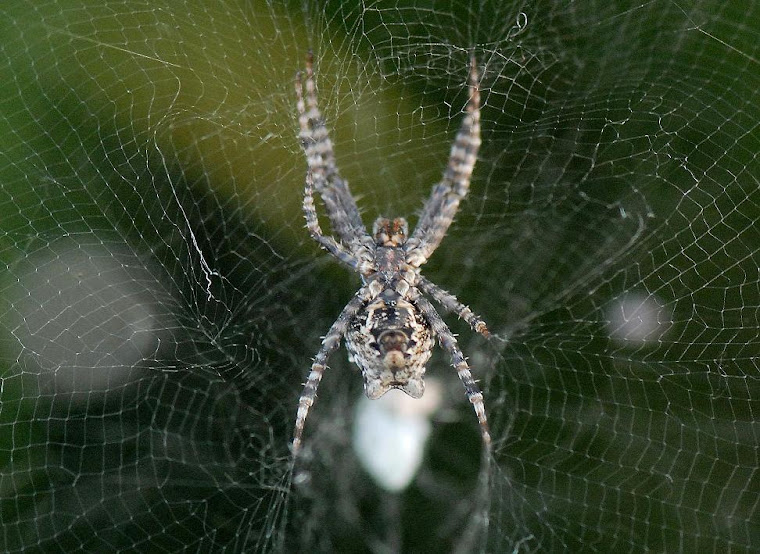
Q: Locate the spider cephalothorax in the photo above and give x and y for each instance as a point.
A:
(389, 325)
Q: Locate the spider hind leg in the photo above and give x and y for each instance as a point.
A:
(449, 344)
(330, 344)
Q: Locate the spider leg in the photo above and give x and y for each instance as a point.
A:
(443, 203)
(449, 343)
(330, 344)
(327, 242)
(339, 203)
(452, 304)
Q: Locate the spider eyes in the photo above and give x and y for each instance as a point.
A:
(399, 226)
(390, 232)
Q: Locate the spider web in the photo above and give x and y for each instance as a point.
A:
(161, 300)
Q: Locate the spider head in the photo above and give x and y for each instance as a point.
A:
(391, 344)
(390, 232)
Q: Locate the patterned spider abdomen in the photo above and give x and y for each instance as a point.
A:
(391, 343)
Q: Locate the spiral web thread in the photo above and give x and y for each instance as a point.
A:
(161, 299)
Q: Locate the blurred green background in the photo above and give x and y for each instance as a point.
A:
(161, 300)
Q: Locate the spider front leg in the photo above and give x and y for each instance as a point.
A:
(360, 263)
(449, 344)
(452, 304)
(330, 344)
(443, 204)
(340, 204)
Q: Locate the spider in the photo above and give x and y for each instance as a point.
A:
(388, 325)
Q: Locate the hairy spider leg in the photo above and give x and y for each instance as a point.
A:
(452, 304)
(449, 343)
(327, 242)
(442, 205)
(339, 203)
(330, 344)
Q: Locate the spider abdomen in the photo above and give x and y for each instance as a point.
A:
(391, 343)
